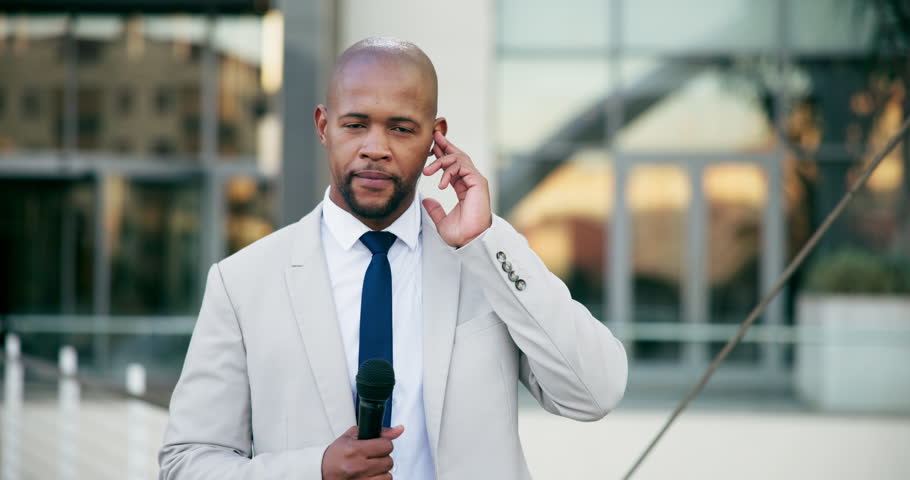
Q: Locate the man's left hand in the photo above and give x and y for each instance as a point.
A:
(471, 215)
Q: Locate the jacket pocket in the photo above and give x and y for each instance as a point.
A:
(477, 324)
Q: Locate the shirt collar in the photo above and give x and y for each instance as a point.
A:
(347, 229)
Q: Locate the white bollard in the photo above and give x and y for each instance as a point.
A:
(13, 348)
(68, 413)
(12, 409)
(137, 428)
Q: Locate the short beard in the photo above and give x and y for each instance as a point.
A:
(402, 190)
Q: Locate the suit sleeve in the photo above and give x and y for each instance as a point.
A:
(209, 433)
(570, 362)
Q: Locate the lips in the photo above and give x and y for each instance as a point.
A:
(373, 180)
(373, 175)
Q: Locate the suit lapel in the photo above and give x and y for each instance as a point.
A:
(441, 277)
(311, 296)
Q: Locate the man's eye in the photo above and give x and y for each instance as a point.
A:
(354, 125)
(402, 130)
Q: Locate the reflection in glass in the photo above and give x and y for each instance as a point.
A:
(845, 113)
(658, 198)
(242, 104)
(831, 25)
(563, 218)
(714, 25)
(155, 247)
(837, 102)
(542, 24)
(540, 98)
(703, 107)
(250, 211)
(736, 194)
(879, 217)
(32, 76)
(132, 75)
(46, 246)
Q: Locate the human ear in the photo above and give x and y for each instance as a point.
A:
(441, 126)
(321, 119)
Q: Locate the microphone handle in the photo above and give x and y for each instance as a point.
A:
(370, 415)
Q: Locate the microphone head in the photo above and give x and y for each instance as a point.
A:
(375, 380)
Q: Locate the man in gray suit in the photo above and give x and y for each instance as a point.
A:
(456, 301)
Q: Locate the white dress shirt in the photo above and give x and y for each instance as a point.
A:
(348, 259)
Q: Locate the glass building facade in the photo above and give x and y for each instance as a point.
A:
(135, 150)
(666, 159)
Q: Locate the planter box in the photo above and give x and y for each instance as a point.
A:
(854, 353)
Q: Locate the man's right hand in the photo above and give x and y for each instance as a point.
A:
(348, 458)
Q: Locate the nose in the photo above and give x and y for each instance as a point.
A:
(375, 146)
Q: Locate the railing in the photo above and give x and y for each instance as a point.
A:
(106, 431)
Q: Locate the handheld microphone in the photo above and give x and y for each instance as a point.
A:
(375, 381)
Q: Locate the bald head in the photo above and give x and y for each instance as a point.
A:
(392, 55)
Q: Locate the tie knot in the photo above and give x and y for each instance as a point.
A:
(378, 242)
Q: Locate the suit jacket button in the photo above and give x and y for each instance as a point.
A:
(513, 276)
(501, 256)
(520, 284)
(506, 267)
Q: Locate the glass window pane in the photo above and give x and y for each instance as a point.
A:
(562, 213)
(139, 84)
(837, 101)
(32, 76)
(542, 24)
(846, 111)
(246, 113)
(832, 25)
(47, 235)
(658, 199)
(736, 194)
(155, 244)
(250, 212)
(715, 25)
(672, 106)
(538, 99)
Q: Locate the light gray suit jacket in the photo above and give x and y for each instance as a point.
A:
(264, 388)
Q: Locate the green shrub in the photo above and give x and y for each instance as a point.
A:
(859, 272)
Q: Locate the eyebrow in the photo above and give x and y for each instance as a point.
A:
(364, 116)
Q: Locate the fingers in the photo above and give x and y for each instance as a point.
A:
(441, 162)
(378, 466)
(382, 446)
(444, 143)
(460, 171)
(375, 447)
(455, 167)
(435, 150)
(348, 457)
(434, 210)
(392, 433)
(442, 147)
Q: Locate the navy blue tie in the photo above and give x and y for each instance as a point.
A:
(376, 305)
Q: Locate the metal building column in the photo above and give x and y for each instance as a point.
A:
(212, 233)
(696, 286)
(101, 282)
(309, 51)
(774, 233)
(620, 300)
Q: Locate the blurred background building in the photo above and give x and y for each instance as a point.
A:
(665, 159)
